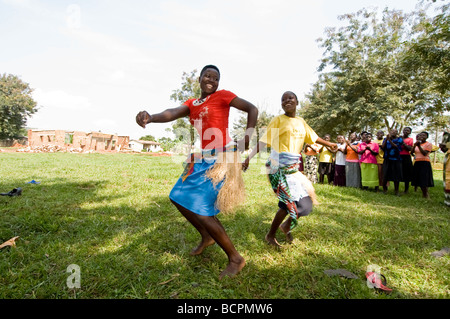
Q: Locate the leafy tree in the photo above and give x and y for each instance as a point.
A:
(365, 81)
(167, 143)
(429, 53)
(190, 89)
(432, 49)
(148, 138)
(16, 105)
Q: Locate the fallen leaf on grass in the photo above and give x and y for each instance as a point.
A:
(167, 281)
(10, 243)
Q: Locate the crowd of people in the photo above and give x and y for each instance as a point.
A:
(364, 161)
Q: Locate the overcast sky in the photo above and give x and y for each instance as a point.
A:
(94, 64)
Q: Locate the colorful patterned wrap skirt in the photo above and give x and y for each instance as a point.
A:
(287, 182)
(310, 168)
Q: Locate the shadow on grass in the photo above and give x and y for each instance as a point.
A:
(126, 250)
(357, 230)
(123, 250)
(56, 230)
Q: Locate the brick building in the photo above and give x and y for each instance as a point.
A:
(93, 141)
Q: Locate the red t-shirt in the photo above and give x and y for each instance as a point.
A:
(408, 141)
(210, 117)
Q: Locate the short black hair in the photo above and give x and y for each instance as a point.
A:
(209, 66)
(424, 132)
(292, 94)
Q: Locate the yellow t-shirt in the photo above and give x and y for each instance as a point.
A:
(326, 156)
(380, 156)
(288, 134)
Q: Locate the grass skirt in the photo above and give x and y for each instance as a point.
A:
(210, 183)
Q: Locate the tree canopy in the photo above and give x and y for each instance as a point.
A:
(148, 138)
(16, 105)
(389, 71)
(190, 89)
(381, 69)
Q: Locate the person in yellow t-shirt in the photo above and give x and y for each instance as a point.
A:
(286, 135)
(380, 156)
(326, 162)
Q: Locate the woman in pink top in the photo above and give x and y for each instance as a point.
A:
(422, 171)
(369, 168)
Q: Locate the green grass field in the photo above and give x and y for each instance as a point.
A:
(110, 214)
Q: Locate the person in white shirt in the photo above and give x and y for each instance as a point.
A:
(339, 168)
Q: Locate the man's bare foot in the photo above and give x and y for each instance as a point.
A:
(272, 241)
(233, 268)
(201, 247)
(286, 229)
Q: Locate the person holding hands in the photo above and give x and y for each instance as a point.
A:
(422, 170)
(392, 165)
(326, 162)
(369, 169)
(339, 165)
(286, 134)
(311, 162)
(352, 167)
(405, 154)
